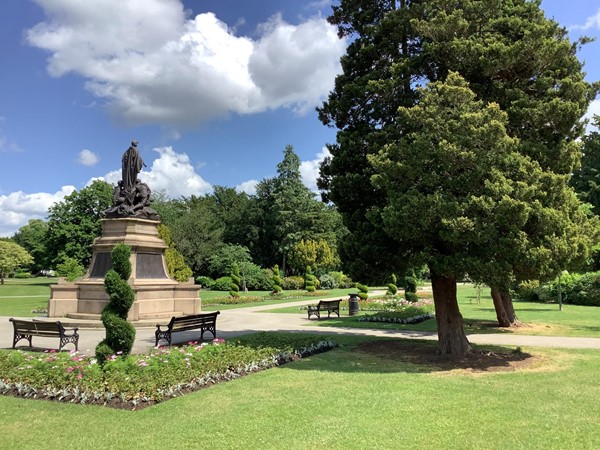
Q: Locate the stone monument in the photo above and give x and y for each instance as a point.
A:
(131, 221)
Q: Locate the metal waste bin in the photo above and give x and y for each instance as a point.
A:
(353, 304)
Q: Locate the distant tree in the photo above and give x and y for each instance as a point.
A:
(75, 222)
(12, 256)
(289, 213)
(586, 180)
(32, 237)
(222, 261)
(316, 254)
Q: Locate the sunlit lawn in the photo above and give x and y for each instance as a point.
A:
(342, 399)
(540, 318)
(18, 297)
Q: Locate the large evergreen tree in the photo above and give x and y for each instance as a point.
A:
(508, 52)
(586, 180)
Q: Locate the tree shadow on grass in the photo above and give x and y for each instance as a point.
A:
(414, 356)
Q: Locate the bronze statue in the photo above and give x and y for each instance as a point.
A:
(131, 197)
(132, 164)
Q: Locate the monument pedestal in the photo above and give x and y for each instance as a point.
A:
(157, 296)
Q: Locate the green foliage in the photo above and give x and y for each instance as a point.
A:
(293, 283)
(176, 266)
(222, 284)
(12, 256)
(70, 268)
(309, 280)
(576, 289)
(411, 296)
(410, 284)
(363, 291)
(314, 253)
(586, 180)
(289, 213)
(32, 237)
(392, 288)
(277, 281)
(205, 282)
(120, 334)
(75, 222)
(328, 282)
(222, 262)
(255, 277)
(341, 280)
(234, 287)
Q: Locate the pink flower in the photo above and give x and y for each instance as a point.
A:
(218, 341)
(70, 369)
(80, 376)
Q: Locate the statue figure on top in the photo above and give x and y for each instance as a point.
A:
(131, 197)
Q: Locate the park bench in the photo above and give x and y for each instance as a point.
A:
(25, 329)
(203, 322)
(331, 306)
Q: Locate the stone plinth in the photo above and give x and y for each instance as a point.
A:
(156, 294)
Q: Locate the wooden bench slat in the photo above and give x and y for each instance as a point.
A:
(25, 329)
(204, 322)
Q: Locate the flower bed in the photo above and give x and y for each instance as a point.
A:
(136, 381)
(406, 314)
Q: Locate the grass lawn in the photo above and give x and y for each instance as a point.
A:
(18, 297)
(542, 319)
(341, 399)
(289, 296)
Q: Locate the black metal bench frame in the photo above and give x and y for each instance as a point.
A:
(204, 322)
(26, 329)
(331, 306)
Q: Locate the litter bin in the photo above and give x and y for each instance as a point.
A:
(353, 304)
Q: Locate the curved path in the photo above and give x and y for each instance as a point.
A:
(235, 322)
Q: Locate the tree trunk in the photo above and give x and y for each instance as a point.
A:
(505, 311)
(452, 339)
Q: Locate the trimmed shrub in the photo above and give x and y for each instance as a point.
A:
(120, 334)
(328, 282)
(363, 291)
(411, 296)
(277, 281)
(234, 287)
(205, 282)
(222, 284)
(293, 283)
(410, 284)
(309, 280)
(392, 288)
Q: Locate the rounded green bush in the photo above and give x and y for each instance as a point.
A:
(411, 296)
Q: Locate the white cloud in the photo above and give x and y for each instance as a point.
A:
(249, 187)
(151, 64)
(87, 158)
(591, 22)
(594, 109)
(309, 170)
(17, 208)
(171, 171)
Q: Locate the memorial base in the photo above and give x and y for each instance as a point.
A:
(156, 295)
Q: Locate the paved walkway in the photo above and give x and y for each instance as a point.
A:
(235, 322)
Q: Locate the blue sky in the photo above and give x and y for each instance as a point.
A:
(213, 90)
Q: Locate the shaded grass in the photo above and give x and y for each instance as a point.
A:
(367, 402)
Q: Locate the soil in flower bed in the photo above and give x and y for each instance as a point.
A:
(425, 356)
